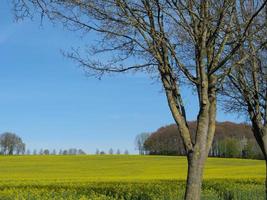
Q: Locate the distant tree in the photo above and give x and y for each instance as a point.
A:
(81, 152)
(20, 149)
(65, 152)
(102, 153)
(41, 152)
(34, 152)
(233, 149)
(46, 152)
(54, 152)
(140, 141)
(110, 151)
(72, 151)
(242, 144)
(166, 141)
(10, 143)
(28, 152)
(252, 150)
(118, 152)
(126, 152)
(60, 152)
(97, 152)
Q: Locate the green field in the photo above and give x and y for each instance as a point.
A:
(124, 177)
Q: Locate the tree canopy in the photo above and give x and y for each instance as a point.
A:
(11, 144)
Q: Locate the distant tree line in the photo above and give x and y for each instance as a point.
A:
(71, 151)
(111, 152)
(231, 140)
(12, 144)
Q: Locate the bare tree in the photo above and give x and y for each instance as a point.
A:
(180, 42)
(118, 152)
(28, 152)
(60, 152)
(246, 86)
(54, 152)
(46, 152)
(110, 151)
(11, 144)
(102, 153)
(65, 152)
(97, 152)
(140, 141)
(41, 152)
(126, 152)
(72, 151)
(20, 148)
(81, 152)
(34, 152)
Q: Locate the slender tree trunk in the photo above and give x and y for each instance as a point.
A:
(197, 158)
(194, 177)
(264, 149)
(197, 148)
(265, 178)
(260, 134)
(261, 137)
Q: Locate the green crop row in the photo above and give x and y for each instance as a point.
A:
(153, 190)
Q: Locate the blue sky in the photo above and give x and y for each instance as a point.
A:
(48, 101)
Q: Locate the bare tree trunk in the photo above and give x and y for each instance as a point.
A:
(196, 159)
(194, 177)
(264, 141)
(260, 133)
(265, 178)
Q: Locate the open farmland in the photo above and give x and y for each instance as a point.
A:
(124, 177)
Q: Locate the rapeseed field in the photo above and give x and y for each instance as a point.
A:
(124, 177)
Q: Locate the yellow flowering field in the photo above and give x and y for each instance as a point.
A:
(124, 177)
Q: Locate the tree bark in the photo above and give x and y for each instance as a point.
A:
(260, 133)
(197, 157)
(264, 141)
(194, 177)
